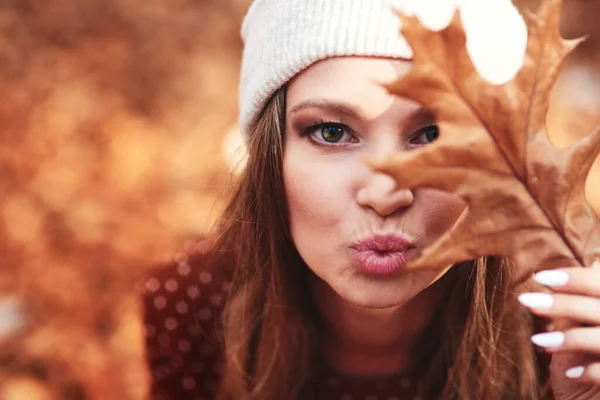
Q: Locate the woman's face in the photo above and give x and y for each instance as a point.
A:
(353, 227)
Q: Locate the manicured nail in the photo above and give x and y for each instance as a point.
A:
(536, 300)
(575, 372)
(552, 278)
(549, 339)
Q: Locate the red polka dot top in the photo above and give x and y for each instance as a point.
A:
(183, 304)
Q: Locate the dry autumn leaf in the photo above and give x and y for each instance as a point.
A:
(525, 196)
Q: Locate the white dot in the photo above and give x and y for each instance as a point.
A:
(226, 286)
(150, 330)
(182, 307)
(193, 292)
(188, 383)
(205, 277)
(160, 302)
(183, 269)
(170, 323)
(152, 285)
(171, 285)
(202, 246)
(184, 346)
(205, 314)
(216, 300)
(405, 383)
(181, 258)
(194, 330)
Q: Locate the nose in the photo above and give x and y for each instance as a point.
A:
(381, 193)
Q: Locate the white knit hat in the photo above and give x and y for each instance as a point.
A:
(283, 37)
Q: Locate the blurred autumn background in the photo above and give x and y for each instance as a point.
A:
(118, 139)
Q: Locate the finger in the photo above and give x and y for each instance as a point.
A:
(589, 373)
(585, 340)
(583, 281)
(584, 309)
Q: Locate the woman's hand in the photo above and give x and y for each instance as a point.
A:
(575, 366)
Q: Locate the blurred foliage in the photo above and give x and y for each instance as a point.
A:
(110, 133)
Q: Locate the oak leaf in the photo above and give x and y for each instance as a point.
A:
(525, 197)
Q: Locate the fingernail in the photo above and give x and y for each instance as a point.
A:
(536, 300)
(552, 278)
(549, 339)
(575, 372)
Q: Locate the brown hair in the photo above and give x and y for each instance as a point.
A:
(483, 351)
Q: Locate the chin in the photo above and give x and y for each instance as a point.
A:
(379, 293)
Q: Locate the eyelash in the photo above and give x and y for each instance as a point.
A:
(309, 131)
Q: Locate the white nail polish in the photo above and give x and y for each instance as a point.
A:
(552, 278)
(536, 300)
(575, 372)
(549, 339)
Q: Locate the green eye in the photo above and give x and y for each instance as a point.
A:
(431, 133)
(426, 135)
(332, 133)
(329, 134)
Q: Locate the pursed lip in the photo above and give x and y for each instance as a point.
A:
(382, 254)
(382, 243)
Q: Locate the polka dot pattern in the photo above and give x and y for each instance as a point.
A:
(183, 304)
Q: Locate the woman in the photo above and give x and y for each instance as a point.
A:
(302, 294)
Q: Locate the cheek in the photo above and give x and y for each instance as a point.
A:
(440, 210)
(319, 192)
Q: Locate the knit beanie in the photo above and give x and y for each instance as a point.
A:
(283, 37)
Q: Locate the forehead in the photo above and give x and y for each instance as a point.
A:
(355, 80)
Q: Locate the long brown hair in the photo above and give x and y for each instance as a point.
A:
(483, 351)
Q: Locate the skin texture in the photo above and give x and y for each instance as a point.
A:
(335, 199)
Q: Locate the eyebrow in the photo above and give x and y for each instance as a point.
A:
(341, 108)
(420, 116)
(337, 107)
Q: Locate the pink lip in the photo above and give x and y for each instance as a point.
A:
(382, 254)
